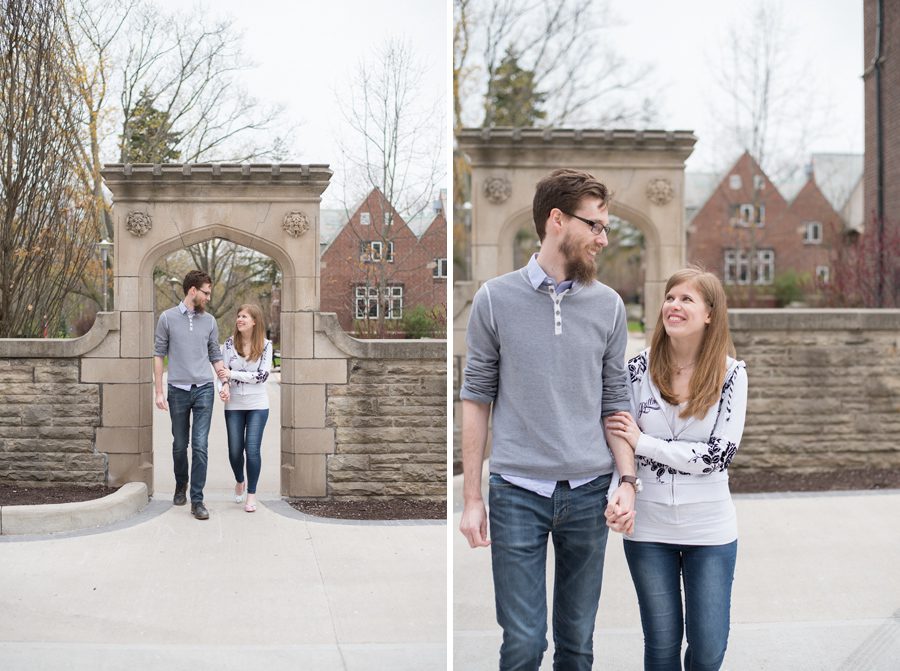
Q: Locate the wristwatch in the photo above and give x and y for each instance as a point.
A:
(633, 481)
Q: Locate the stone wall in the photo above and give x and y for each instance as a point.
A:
(824, 390)
(390, 424)
(48, 420)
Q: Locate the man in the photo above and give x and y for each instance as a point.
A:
(546, 347)
(190, 337)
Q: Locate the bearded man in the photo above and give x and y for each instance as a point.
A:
(546, 355)
(189, 336)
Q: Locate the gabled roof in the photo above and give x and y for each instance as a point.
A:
(837, 176)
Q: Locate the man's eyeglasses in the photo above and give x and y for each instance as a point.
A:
(208, 294)
(596, 227)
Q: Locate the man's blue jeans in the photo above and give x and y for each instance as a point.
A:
(199, 401)
(708, 573)
(245, 430)
(520, 524)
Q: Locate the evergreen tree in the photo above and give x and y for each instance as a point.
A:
(148, 136)
(513, 98)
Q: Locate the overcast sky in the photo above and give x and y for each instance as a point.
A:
(304, 49)
(681, 40)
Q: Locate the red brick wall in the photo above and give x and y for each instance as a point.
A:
(890, 91)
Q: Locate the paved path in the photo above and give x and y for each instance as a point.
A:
(261, 590)
(817, 588)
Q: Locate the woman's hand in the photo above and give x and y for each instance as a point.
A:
(225, 394)
(224, 374)
(622, 424)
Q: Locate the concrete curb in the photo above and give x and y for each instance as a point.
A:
(130, 499)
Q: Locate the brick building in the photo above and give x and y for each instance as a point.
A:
(748, 233)
(376, 249)
(881, 84)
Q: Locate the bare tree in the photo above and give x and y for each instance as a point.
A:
(239, 274)
(774, 110)
(572, 79)
(46, 223)
(393, 144)
(184, 66)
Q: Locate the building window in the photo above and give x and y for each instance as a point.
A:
(747, 212)
(387, 218)
(393, 302)
(738, 267)
(734, 181)
(812, 233)
(366, 302)
(368, 306)
(759, 182)
(440, 268)
(365, 218)
(822, 274)
(373, 251)
(765, 266)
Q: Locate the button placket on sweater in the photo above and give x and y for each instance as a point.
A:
(557, 309)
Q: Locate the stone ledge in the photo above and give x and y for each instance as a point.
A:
(327, 323)
(809, 319)
(38, 348)
(55, 517)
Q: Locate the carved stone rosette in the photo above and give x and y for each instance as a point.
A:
(295, 224)
(660, 191)
(497, 189)
(138, 223)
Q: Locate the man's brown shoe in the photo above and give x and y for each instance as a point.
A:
(180, 494)
(199, 511)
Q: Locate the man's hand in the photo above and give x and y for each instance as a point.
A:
(161, 401)
(224, 374)
(473, 524)
(225, 394)
(620, 510)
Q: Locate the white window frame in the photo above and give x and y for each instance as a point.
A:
(812, 233)
(387, 219)
(365, 219)
(765, 267)
(371, 304)
(372, 251)
(823, 274)
(393, 302)
(747, 213)
(735, 182)
(440, 268)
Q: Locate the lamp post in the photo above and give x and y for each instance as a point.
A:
(467, 222)
(105, 245)
(175, 282)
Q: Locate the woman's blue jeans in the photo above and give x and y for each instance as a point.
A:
(521, 522)
(707, 572)
(245, 430)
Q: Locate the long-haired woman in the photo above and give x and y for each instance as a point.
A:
(689, 400)
(247, 356)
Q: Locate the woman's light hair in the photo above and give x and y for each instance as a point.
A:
(709, 373)
(257, 335)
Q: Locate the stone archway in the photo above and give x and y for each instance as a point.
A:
(644, 169)
(273, 209)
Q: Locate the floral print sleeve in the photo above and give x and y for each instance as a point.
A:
(252, 372)
(716, 454)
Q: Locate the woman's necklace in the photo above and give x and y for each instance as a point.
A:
(680, 369)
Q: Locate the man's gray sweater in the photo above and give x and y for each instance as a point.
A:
(550, 383)
(191, 342)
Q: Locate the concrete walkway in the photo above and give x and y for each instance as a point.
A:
(817, 587)
(261, 590)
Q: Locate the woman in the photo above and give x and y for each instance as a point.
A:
(690, 398)
(247, 357)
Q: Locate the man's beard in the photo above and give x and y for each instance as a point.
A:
(199, 308)
(576, 267)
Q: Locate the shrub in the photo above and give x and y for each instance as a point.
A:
(790, 287)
